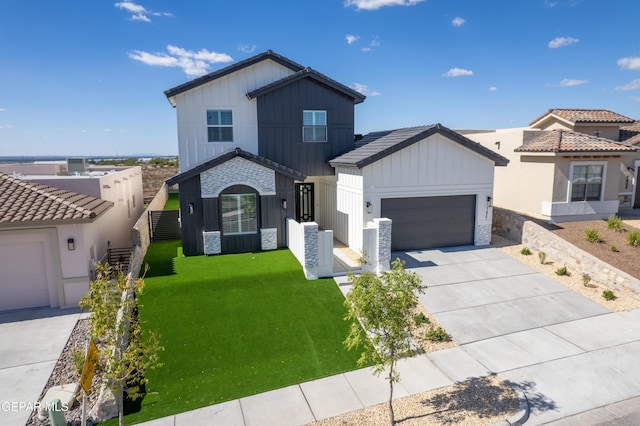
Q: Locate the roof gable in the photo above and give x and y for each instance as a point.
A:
(630, 135)
(557, 141)
(196, 170)
(268, 55)
(384, 143)
(311, 74)
(23, 202)
(582, 116)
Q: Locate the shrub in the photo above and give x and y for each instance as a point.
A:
(614, 222)
(543, 257)
(437, 335)
(633, 238)
(608, 295)
(77, 356)
(420, 319)
(614, 249)
(525, 251)
(592, 236)
(586, 280)
(563, 271)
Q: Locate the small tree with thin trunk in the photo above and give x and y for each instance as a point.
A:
(384, 306)
(125, 354)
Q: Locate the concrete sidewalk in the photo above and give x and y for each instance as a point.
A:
(31, 341)
(574, 359)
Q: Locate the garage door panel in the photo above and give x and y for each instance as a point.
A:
(23, 283)
(427, 222)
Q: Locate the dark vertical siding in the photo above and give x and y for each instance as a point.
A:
(273, 215)
(191, 224)
(280, 126)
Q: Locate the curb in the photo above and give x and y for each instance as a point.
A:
(521, 416)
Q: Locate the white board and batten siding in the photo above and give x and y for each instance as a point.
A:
(435, 166)
(228, 93)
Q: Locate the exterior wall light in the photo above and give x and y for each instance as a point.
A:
(284, 204)
(71, 244)
(489, 201)
(369, 207)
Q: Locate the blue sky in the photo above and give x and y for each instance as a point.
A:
(82, 77)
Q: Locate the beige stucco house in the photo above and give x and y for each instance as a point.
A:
(54, 227)
(569, 164)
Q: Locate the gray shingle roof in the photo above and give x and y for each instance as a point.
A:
(314, 75)
(233, 68)
(568, 141)
(378, 145)
(196, 170)
(24, 203)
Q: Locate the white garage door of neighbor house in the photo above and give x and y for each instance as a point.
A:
(23, 280)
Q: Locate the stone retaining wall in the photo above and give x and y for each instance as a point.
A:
(517, 228)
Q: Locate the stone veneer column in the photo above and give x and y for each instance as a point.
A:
(212, 243)
(310, 230)
(269, 238)
(383, 226)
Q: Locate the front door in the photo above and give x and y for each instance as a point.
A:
(304, 202)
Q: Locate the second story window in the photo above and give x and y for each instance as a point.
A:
(314, 126)
(219, 125)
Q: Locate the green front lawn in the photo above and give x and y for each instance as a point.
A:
(236, 325)
(173, 202)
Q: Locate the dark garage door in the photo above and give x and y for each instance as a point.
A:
(427, 222)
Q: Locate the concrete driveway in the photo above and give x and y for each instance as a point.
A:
(31, 341)
(568, 354)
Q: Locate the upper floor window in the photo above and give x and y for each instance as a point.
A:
(219, 125)
(314, 126)
(586, 182)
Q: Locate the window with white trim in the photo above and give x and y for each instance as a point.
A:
(239, 214)
(587, 181)
(314, 126)
(219, 125)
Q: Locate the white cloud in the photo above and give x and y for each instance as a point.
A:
(634, 98)
(550, 3)
(377, 4)
(562, 42)
(635, 84)
(457, 72)
(493, 88)
(106, 130)
(3, 109)
(629, 63)
(194, 64)
(361, 88)
(458, 21)
(246, 48)
(568, 82)
(139, 12)
(351, 38)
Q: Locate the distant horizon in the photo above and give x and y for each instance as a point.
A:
(33, 158)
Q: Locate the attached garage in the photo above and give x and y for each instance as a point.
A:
(434, 184)
(27, 272)
(428, 222)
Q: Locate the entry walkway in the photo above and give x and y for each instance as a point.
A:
(569, 355)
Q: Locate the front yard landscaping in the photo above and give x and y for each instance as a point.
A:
(236, 325)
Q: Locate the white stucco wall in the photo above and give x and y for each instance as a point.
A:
(229, 93)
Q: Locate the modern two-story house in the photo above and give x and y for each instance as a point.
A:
(266, 139)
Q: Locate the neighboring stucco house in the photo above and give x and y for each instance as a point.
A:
(54, 227)
(267, 139)
(569, 164)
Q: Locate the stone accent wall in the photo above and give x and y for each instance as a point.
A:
(237, 171)
(384, 226)
(517, 228)
(483, 234)
(269, 238)
(212, 242)
(311, 247)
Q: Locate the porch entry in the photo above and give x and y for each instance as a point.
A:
(304, 202)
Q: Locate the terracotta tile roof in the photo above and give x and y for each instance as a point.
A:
(630, 135)
(586, 116)
(23, 202)
(568, 141)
